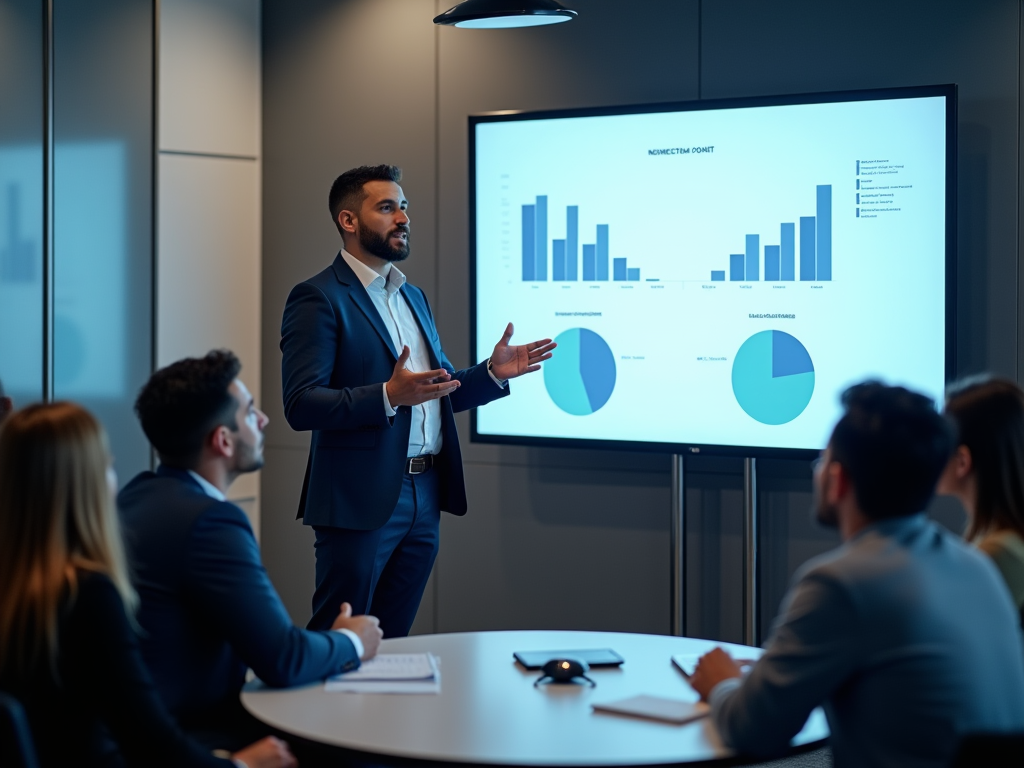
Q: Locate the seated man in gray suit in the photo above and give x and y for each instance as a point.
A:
(904, 634)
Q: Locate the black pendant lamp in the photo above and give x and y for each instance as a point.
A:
(502, 14)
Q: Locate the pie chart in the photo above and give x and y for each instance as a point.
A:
(580, 376)
(773, 377)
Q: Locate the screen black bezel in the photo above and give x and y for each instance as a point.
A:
(949, 91)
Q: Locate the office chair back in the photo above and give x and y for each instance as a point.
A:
(16, 747)
(991, 750)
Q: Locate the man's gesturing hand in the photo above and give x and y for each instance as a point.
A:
(408, 388)
(507, 362)
(367, 627)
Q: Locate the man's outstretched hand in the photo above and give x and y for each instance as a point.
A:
(508, 361)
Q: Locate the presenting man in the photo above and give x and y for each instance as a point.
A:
(364, 370)
(906, 635)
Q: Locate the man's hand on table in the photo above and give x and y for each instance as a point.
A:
(712, 668)
(366, 627)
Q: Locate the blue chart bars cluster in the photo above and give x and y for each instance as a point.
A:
(714, 276)
(780, 260)
(565, 252)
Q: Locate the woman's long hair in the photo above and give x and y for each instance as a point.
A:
(989, 413)
(57, 516)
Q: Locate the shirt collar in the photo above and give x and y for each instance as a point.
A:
(392, 279)
(208, 488)
(893, 525)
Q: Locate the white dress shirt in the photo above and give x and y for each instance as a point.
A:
(384, 292)
(215, 493)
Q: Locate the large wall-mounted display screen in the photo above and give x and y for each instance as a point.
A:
(715, 273)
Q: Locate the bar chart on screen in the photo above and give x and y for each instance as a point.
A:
(564, 253)
(780, 260)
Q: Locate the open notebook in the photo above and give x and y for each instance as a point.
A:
(391, 673)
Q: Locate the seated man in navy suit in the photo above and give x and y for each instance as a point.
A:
(207, 608)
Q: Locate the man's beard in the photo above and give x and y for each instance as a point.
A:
(825, 514)
(250, 458)
(379, 245)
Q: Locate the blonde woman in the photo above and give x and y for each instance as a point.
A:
(68, 647)
(987, 471)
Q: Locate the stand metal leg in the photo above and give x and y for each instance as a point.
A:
(677, 592)
(751, 617)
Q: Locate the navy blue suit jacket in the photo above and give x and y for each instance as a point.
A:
(207, 607)
(337, 355)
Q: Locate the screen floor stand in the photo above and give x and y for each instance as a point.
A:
(751, 617)
(677, 591)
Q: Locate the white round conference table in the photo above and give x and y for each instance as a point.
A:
(489, 712)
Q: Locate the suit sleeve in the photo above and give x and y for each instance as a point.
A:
(229, 585)
(814, 649)
(309, 344)
(477, 387)
(103, 660)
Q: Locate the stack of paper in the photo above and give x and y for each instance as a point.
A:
(391, 673)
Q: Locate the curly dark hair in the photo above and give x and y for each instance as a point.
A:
(894, 445)
(347, 190)
(181, 404)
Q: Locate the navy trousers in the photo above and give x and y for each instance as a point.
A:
(381, 572)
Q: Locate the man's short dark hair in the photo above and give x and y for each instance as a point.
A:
(347, 192)
(893, 445)
(183, 403)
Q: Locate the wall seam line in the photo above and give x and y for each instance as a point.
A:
(436, 617)
(154, 299)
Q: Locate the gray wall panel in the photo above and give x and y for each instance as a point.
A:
(555, 549)
(287, 545)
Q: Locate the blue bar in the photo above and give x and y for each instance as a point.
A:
(717, 275)
(529, 243)
(858, 198)
(772, 263)
(858, 213)
(558, 259)
(858, 183)
(806, 248)
(572, 229)
(788, 252)
(858, 167)
(753, 271)
(736, 261)
(633, 274)
(620, 269)
(602, 252)
(824, 232)
(589, 262)
(541, 238)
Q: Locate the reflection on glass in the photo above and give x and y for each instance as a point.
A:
(89, 293)
(21, 199)
(21, 272)
(102, 214)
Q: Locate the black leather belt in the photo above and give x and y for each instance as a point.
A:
(417, 465)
